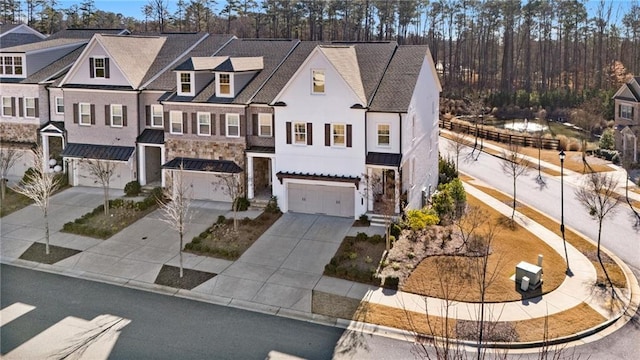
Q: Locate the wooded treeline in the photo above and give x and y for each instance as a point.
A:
(520, 51)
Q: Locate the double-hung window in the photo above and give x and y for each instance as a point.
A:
(176, 122)
(11, 65)
(204, 123)
(157, 119)
(317, 81)
(224, 82)
(185, 86)
(300, 133)
(116, 115)
(59, 105)
(84, 110)
(29, 107)
(384, 132)
(7, 106)
(338, 135)
(626, 112)
(265, 125)
(233, 125)
(99, 68)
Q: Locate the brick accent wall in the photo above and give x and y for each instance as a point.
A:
(18, 133)
(205, 150)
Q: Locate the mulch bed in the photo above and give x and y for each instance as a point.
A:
(170, 276)
(36, 252)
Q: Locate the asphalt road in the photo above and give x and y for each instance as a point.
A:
(160, 327)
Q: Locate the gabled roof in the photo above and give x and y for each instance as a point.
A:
(43, 45)
(98, 152)
(18, 34)
(65, 37)
(399, 81)
(216, 166)
(55, 70)
(373, 58)
(198, 63)
(345, 61)
(86, 33)
(7, 28)
(166, 80)
(628, 91)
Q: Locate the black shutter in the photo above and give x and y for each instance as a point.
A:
(288, 129)
(273, 124)
(93, 114)
(309, 134)
(75, 113)
(21, 107)
(194, 123)
(185, 122)
(619, 110)
(37, 105)
(243, 126)
(349, 134)
(165, 121)
(223, 130)
(107, 115)
(13, 106)
(91, 68)
(255, 125)
(124, 115)
(213, 124)
(327, 134)
(147, 110)
(106, 68)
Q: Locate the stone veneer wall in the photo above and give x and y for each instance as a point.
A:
(26, 133)
(205, 150)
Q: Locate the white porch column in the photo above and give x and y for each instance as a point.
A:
(142, 169)
(250, 190)
(74, 167)
(396, 180)
(270, 170)
(45, 152)
(370, 189)
(162, 162)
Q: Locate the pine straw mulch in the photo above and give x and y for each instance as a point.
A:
(449, 274)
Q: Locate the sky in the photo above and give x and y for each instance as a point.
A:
(133, 8)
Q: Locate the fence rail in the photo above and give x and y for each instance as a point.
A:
(520, 140)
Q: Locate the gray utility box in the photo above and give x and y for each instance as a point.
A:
(533, 272)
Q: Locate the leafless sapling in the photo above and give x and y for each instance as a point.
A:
(514, 165)
(8, 158)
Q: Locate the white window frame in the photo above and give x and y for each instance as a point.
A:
(228, 125)
(16, 63)
(191, 91)
(219, 85)
(96, 68)
(114, 117)
(299, 129)
(334, 127)
(172, 115)
(388, 135)
(27, 108)
(626, 111)
(155, 116)
(313, 81)
(82, 114)
(59, 102)
(265, 120)
(204, 119)
(5, 113)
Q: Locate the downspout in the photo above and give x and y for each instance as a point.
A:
(137, 167)
(400, 165)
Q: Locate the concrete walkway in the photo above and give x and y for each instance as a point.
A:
(276, 275)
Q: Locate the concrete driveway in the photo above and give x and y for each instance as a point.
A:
(284, 264)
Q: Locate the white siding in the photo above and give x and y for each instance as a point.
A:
(81, 75)
(373, 119)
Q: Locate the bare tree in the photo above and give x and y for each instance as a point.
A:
(101, 171)
(476, 109)
(8, 158)
(175, 206)
(159, 10)
(457, 142)
(39, 186)
(231, 185)
(598, 195)
(514, 165)
(379, 187)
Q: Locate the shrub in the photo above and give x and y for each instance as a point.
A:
(242, 203)
(574, 145)
(443, 204)
(392, 239)
(607, 140)
(420, 219)
(391, 282)
(132, 188)
(272, 206)
(361, 236)
(364, 219)
(376, 239)
(395, 230)
(221, 219)
(563, 142)
(458, 195)
(447, 170)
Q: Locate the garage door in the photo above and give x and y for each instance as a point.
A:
(204, 187)
(320, 199)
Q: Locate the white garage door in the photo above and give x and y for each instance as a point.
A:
(205, 187)
(321, 199)
(121, 176)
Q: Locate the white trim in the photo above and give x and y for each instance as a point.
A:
(161, 115)
(2, 106)
(103, 67)
(113, 106)
(198, 123)
(80, 122)
(324, 81)
(227, 116)
(23, 65)
(26, 27)
(294, 141)
(26, 116)
(332, 135)
(231, 92)
(171, 114)
(192, 90)
(55, 105)
(262, 116)
(388, 144)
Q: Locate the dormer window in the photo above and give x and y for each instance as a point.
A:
(224, 85)
(185, 84)
(11, 66)
(317, 81)
(99, 67)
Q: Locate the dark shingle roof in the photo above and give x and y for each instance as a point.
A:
(633, 91)
(383, 159)
(6, 27)
(283, 74)
(99, 152)
(151, 136)
(55, 69)
(219, 166)
(85, 33)
(372, 60)
(167, 80)
(10, 40)
(399, 81)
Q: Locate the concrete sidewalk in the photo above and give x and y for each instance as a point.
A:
(276, 275)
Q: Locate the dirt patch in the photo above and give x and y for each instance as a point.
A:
(170, 276)
(37, 252)
(357, 259)
(221, 240)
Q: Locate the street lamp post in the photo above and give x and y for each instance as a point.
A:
(562, 157)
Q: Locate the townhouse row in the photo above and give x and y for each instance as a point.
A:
(310, 123)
